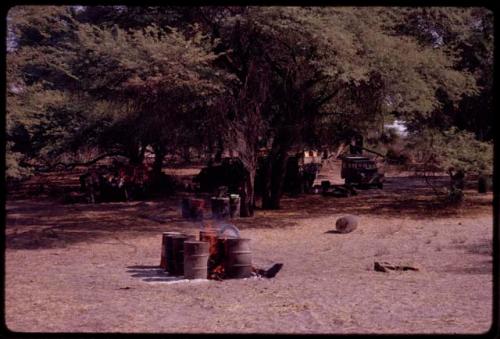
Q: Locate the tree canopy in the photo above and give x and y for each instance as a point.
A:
(123, 78)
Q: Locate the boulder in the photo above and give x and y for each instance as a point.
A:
(346, 224)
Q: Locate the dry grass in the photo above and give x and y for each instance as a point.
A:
(458, 239)
(380, 251)
(93, 268)
(388, 231)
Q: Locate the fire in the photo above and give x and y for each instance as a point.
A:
(216, 252)
(216, 242)
(217, 273)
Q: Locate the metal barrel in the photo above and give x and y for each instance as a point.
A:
(220, 208)
(237, 258)
(234, 205)
(196, 208)
(208, 234)
(169, 252)
(163, 259)
(195, 259)
(175, 253)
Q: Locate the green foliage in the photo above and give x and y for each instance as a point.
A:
(14, 164)
(125, 78)
(452, 148)
(109, 87)
(151, 61)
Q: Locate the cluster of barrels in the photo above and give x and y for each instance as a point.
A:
(192, 208)
(183, 255)
(222, 207)
(225, 207)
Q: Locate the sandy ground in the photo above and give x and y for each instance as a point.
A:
(94, 268)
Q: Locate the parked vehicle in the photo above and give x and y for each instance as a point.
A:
(361, 171)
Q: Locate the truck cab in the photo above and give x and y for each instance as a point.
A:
(361, 171)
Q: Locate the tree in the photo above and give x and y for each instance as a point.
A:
(452, 151)
(467, 33)
(144, 84)
(43, 97)
(278, 77)
(164, 78)
(315, 59)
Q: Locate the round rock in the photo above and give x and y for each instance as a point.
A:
(346, 224)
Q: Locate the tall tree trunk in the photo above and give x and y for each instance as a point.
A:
(279, 172)
(220, 149)
(274, 176)
(136, 154)
(136, 157)
(267, 174)
(246, 144)
(158, 162)
(186, 154)
(247, 195)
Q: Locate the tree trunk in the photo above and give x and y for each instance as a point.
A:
(267, 174)
(220, 149)
(136, 154)
(274, 176)
(186, 154)
(279, 172)
(158, 162)
(247, 197)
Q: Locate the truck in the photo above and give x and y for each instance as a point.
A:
(361, 171)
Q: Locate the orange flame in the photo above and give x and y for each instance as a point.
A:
(216, 253)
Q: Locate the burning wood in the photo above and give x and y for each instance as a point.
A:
(217, 273)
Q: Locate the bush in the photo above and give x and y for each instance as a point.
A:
(396, 157)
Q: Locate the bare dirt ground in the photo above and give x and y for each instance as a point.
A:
(94, 268)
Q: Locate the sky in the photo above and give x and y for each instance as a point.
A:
(399, 126)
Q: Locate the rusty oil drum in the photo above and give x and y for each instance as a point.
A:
(208, 234)
(175, 253)
(220, 208)
(192, 208)
(234, 205)
(237, 257)
(163, 259)
(196, 208)
(195, 259)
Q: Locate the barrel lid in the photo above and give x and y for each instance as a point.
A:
(183, 236)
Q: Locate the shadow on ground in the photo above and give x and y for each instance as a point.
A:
(33, 224)
(402, 197)
(483, 248)
(152, 274)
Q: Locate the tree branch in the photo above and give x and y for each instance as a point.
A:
(86, 163)
(325, 99)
